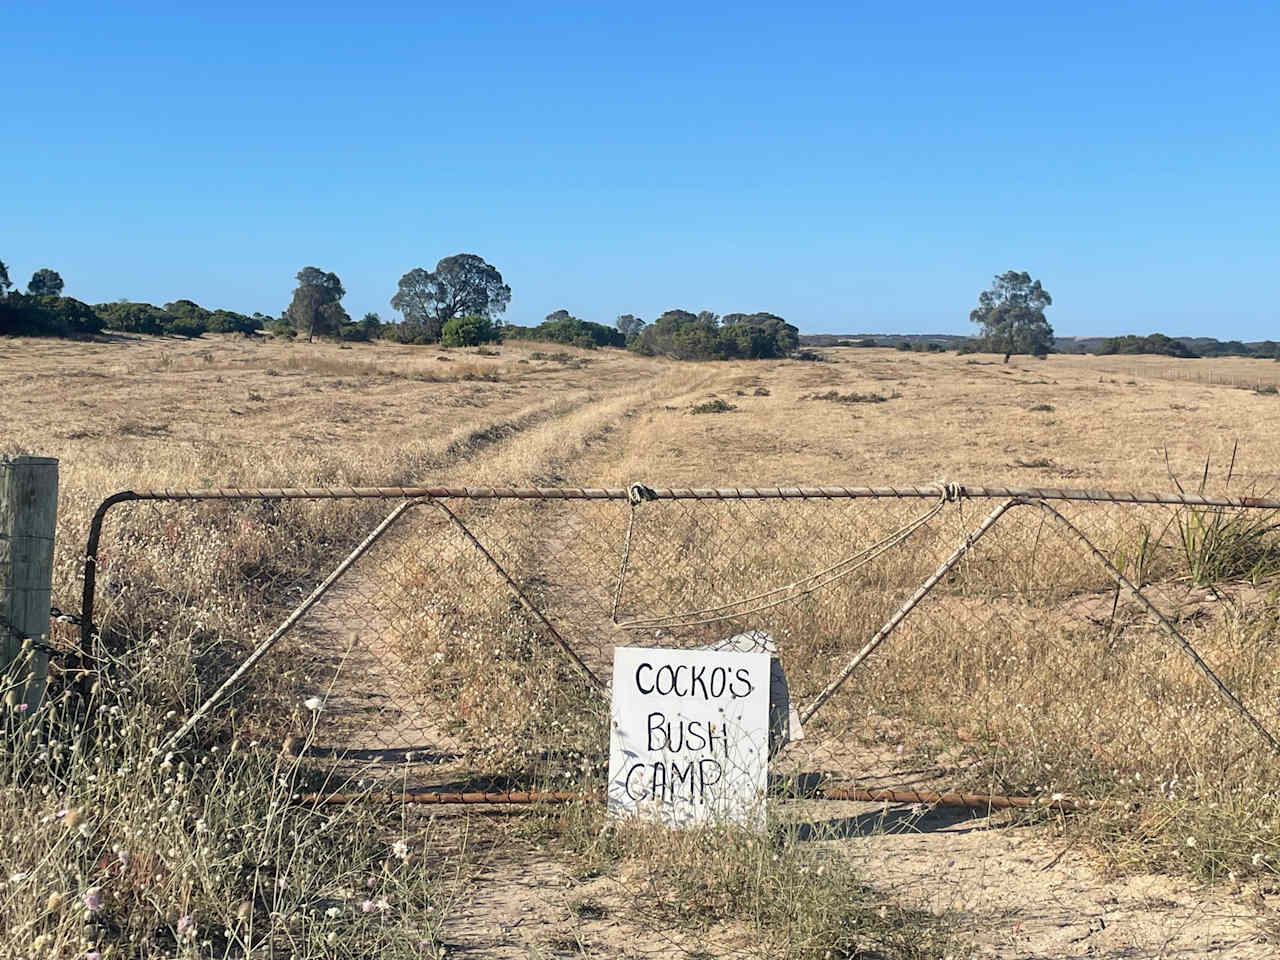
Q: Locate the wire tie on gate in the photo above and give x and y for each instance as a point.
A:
(61, 617)
(951, 491)
(34, 643)
(638, 493)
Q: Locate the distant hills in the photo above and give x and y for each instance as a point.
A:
(948, 340)
(1199, 346)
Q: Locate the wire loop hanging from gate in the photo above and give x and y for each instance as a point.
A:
(776, 596)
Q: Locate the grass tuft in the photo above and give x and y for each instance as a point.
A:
(792, 893)
(712, 406)
(1222, 545)
(835, 396)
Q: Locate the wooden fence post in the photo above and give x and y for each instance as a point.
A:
(28, 515)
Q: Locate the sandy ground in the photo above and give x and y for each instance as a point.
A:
(1015, 893)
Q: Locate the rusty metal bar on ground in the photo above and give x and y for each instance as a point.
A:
(1167, 628)
(974, 801)
(291, 620)
(901, 613)
(436, 797)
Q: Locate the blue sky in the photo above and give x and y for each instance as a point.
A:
(851, 167)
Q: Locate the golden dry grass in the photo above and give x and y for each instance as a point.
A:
(155, 412)
(1017, 675)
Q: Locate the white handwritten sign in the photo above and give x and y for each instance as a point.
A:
(690, 735)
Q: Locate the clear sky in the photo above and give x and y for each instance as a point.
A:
(852, 167)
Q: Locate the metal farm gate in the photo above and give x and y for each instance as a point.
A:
(1062, 646)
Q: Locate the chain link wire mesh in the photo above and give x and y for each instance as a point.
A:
(468, 646)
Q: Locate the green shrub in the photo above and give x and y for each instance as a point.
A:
(228, 321)
(1156, 343)
(280, 327)
(408, 331)
(684, 335)
(185, 327)
(562, 327)
(130, 317)
(835, 396)
(189, 319)
(468, 332)
(712, 406)
(1220, 546)
(368, 329)
(22, 315)
(181, 318)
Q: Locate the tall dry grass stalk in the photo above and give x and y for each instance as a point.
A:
(114, 849)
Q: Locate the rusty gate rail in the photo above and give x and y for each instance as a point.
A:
(922, 491)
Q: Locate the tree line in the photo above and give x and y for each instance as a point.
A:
(457, 304)
(460, 303)
(44, 311)
(1189, 348)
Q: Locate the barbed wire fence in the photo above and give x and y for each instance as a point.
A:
(1065, 646)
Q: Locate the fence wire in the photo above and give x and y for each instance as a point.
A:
(1042, 643)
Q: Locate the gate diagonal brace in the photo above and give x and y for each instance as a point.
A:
(291, 621)
(901, 614)
(524, 601)
(300, 611)
(1184, 646)
(1168, 629)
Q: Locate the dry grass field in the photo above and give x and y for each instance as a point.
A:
(1025, 673)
